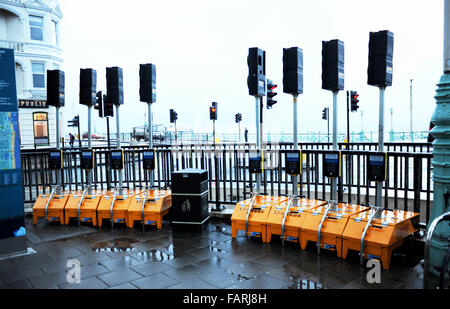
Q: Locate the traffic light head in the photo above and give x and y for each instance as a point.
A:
(256, 80)
(325, 114)
(354, 99)
(99, 104)
(108, 107)
(212, 113)
(238, 117)
(173, 116)
(271, 94)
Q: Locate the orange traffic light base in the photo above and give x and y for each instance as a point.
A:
(149, 207)
(51, 206)
(328, 221)
(114, 207)
(251, 215)
(384, 234)
(82, 205)
(289, 216)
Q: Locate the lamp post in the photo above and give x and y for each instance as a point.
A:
(411, 110)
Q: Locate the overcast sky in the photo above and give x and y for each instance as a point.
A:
(200, 51)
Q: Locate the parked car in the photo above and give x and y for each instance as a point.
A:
(94, 136)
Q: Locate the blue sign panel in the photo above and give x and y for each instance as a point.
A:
(11, 199)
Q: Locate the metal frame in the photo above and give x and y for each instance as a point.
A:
(363, 236)
(330, 204)
(250, 207)
(143, 207)
(112, 208)
(80, 202)
(49, 200)
(290, 202)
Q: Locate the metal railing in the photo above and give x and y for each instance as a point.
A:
(408, 185)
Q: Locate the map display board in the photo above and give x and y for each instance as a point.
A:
(11, 198)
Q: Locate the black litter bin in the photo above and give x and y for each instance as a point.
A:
(190, 199)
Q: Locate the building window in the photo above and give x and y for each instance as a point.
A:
(54, 33)
(37, 28)
(38, 70)
(40, 125)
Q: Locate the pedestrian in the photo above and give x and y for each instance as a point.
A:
(246, 135)
(72, 139)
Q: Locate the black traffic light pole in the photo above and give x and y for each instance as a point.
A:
(213, 117)
(328, 120)
(214, 132)
(79, 133)
(348, 120)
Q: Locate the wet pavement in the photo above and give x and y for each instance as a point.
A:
(125, 258)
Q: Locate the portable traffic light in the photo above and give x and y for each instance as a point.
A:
(212, 113)
(256, 80)
(354, 101)
(293, 70)
(325, 114)
(108, 107)
(173, 116)
(381, 53)
(114, 85)
(88, 86)
(333, 65)
(75, 122)
(147, 83)
(271, 94)
(55, 88)
(99, 104)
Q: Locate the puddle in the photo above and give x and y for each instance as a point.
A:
(240, 277)
(305, 284)
(214, 249)
(116, 245)
(225, 230)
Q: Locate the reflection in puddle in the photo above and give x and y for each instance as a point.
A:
(240, 277)
(154, 255)
(305, 284)
(116, 245)
(214, 249)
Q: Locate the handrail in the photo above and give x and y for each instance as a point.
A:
(319, 230)
(430, 232)
(111, 210)
(80, 203)
(290, 202)
(363, 236)
(49, 200)
(143, 208)
(252, 202)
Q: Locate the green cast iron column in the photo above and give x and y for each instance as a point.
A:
(441, 154)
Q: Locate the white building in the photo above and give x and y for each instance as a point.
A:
(31, 28)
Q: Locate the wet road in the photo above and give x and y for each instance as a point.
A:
(163, 259)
